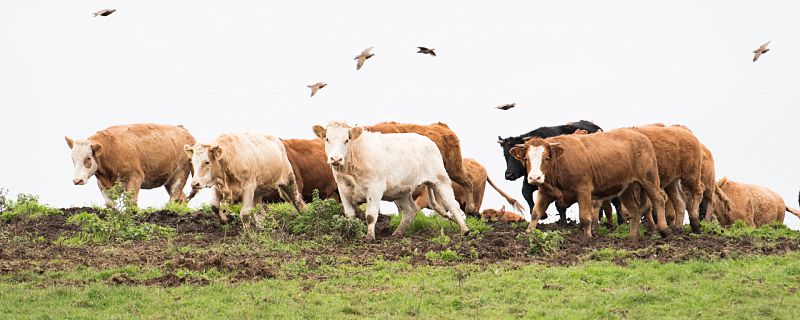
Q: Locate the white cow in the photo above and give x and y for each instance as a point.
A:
(370, 167)
(244, 167)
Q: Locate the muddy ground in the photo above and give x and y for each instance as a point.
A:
(201, 243)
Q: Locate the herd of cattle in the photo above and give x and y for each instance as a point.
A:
(653, 173)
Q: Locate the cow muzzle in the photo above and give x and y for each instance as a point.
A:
(79, 182)
(511, 176)
(196, 185)
(335, 161)
(537, 180)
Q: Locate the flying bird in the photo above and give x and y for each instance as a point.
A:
(507, 106)
(104, 12)
(761, 50)
(315, 87)
(424, 50)
(363, 57)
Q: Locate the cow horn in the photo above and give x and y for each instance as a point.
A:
(526, 138)
(555, 144)
(520, 145)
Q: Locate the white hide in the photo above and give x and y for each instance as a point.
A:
(84, 162)
(535, 174)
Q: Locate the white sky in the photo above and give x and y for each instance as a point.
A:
(243, 65)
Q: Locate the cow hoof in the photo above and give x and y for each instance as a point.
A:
(665, 233)
(544, 216)
(466, 233)
(370, 239)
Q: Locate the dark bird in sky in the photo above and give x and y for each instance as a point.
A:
(507, 106)
(424, 50)
(104, 12)
(761, 50)
(315, 87)
(363, 56)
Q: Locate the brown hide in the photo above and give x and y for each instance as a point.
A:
(755, 205)
(311, 170)
(501, 215)
(477, 174)
(449, 146)
(144, 156)
(596, 166)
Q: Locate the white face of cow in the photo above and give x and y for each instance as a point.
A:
(337, 142)
(203, 157)
(535, 156)
(84, 159)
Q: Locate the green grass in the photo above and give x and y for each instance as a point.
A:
(740, 229)
(755, 287)
(25, 207)
(436, 223)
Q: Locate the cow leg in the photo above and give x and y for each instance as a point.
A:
(248, 194)
(695, 193)
(104, 192)
(676, 200)
(633, 212)
(461, 178)
(658, 199)
(618, 208)
(176, 183)
(586, 212)
(438, 207)
(606, 206)
(542, 202)
(409, 211)
(291, 194)
(216, 198)
(133, 185)
(373, 209)
(527, 193)
(443, 192)
(562, 214)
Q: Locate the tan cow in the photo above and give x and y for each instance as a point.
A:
(243, 167)
(140, 156)
(680, 157)
(449, 146)
(711, 192)
(755, 205)
(599, 166)
(477, 174)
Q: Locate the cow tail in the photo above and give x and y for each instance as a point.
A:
(510, 200)
(793, 211)
(723, 197)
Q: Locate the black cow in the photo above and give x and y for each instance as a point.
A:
(515, 169)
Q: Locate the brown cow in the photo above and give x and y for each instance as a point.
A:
(599, 166)
(140, 156)
(755, 205)
(680, 157)
(711, 192)
(449, 146)
(311, 170)
(477, 173)
(501, 215)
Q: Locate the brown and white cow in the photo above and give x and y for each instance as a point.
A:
(477, 174)
(140, 156)
(755, 205)
(370, 167)
(449, 146)
(599, 166)
(243, 167)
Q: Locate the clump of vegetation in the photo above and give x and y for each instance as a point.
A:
(608, 254)
(320, 219)
(543, 242)
(435, 223)
(117, 222)
(178, 208)
(442, 239)
(26, 206)
(445, 255)
(740, 229)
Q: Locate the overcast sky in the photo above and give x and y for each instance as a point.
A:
(228, 66)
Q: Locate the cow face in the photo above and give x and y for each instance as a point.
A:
(337, 141)
(514, 168)
(537, 155)
(204, 158)
(84, 158)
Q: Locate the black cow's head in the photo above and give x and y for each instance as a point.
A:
(514, 168)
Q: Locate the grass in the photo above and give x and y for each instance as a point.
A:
(25, 207)
(435, 223)
(755, 287)
(740, 229)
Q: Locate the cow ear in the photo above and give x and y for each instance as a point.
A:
(189, 151)
(96, 148)
(70, 142)
(356, 132)
(518, 152)
(215, 152)
(319, 131)
(556, 149)
(499, 139)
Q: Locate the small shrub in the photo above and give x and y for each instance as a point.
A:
(540, 242)
(445, 255)
(608, 254)
(435, 222)
(3, 199)
(441, 239)
(740, 229)
(173, 207)
(323, 219)
(26, 206)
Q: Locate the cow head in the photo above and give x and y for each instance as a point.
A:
(514, 168)
(537, 155)
(84, 158)
(337, 136)
(205, 158)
